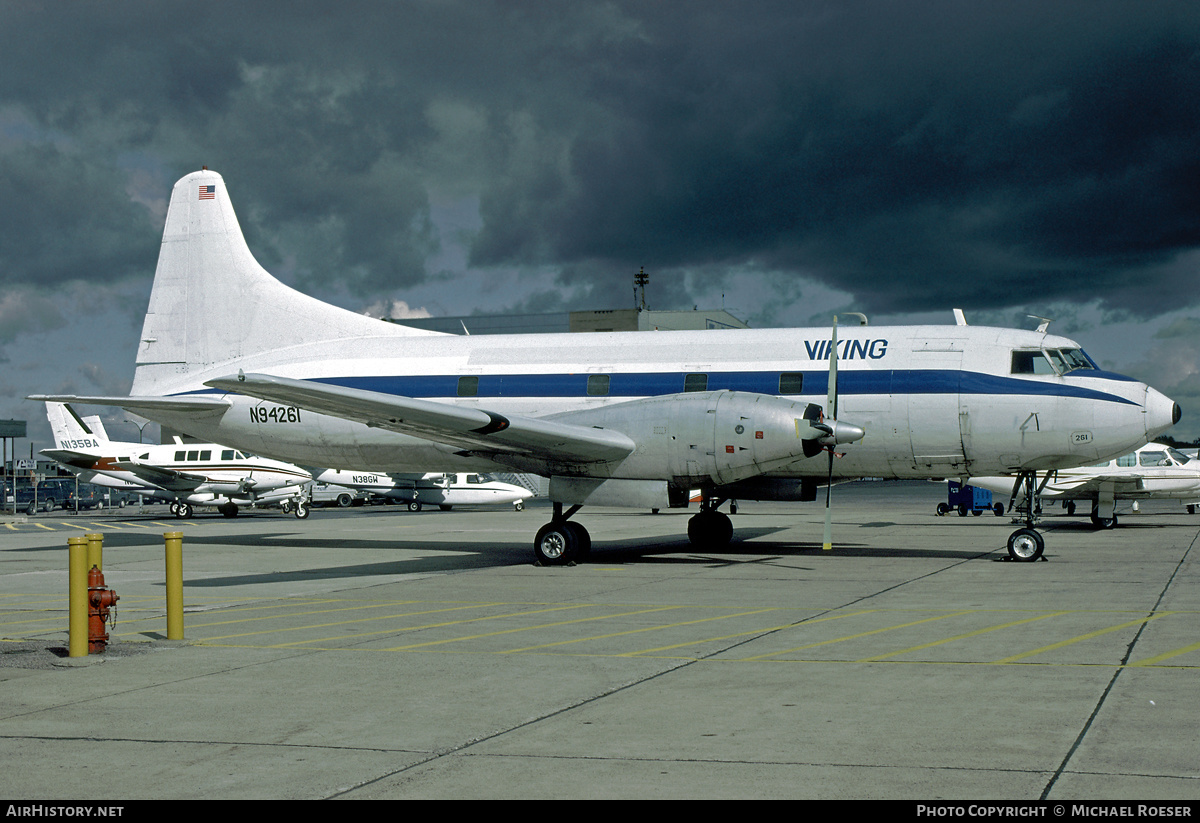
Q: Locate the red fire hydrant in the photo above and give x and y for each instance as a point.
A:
(100, 600)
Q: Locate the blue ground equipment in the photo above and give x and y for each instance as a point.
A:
(965, 499)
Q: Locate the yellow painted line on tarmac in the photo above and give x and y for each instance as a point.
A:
(304, 613)
(1159, 658)
(862, 634)
(532, 628)
(74, 526)
(761, 630)
(1073, 640)
(639, 631)
(975, 633)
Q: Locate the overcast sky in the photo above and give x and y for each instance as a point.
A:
(784, 160)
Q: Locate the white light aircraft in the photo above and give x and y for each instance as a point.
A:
(634, 419)
(444, 490)
(1152, 472)
(187, 474)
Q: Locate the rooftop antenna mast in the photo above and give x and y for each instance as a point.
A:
(640, 280)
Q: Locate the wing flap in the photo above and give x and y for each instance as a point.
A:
(467, 428)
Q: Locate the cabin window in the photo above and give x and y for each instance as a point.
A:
(1155, 458)
(180, 456)
(1127, 461)
(791, 382)
(193, 455)
(474, 479)
(468, 386)
(1031, 362)
(597, 385)
(206, 455)
(695, 382)
(226, 454)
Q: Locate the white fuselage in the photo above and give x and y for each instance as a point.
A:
(934, 400)
(433, 489)
(1152, 472)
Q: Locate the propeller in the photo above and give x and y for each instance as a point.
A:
(831, 406)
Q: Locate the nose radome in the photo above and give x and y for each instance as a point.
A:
(1161, 413)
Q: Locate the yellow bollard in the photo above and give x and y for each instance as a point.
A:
(95, 555)
(174, 547)
(77, 620)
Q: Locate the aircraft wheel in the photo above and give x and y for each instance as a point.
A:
(228, 509)
(519, 506)
(414, 505)
(445, 507)
(184, 510)
(1070, 507)
(556, 543)
(1025, 545)
(286, 507)
(710, 529)
(301, 509)
(583, 540)
(174, 507)
(1104, 522)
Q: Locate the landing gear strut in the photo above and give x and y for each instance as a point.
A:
(1026, 544)
(562, 541)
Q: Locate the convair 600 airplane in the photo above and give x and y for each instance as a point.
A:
(188, 475)
(230, 354)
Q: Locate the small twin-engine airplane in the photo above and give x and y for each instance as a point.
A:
(444, 490)
(637, 419)
(1152, 472)
(186, 474)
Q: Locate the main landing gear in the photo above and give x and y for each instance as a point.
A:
(1025, 544)
(562, 541)
(709, 528)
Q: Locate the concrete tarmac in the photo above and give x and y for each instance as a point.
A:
(380, 654)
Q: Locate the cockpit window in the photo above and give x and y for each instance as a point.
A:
(1076, 359)
(1178, 456)
(1050, 361)
(1154, 458)
(1030, 362)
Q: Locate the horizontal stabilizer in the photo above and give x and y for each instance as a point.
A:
(189, 403)
(467, 428)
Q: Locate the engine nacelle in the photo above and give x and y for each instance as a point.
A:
(714, 438)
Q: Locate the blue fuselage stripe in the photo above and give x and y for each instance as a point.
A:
(652, 384)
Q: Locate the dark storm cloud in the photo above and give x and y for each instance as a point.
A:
(913, 154)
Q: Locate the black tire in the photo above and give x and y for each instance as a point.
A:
(414, 505)
(556, 544)
(998, 509)
(942, 509)
(345, 499)
(519, 506)
(976, 512)
(1104, 523)
(710, 529)
(445, 507)
(1070, 507)
(1025, 545)
(228, 509)
(962, 509)
(302, 509)
(583, 540)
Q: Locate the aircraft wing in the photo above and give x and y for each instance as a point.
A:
(1119, 483)
(169, 479)
(67, 457)
(472, 429)
(189, 403)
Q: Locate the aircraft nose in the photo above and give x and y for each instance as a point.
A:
(1161, 413)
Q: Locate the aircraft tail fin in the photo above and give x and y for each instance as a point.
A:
(212, 304)
(72, 431)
